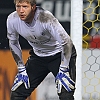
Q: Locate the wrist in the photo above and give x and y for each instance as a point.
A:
(20, 64)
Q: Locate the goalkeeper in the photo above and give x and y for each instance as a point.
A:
(52, 51)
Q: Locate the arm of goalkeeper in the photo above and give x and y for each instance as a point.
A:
(20, 78)
(63, 79)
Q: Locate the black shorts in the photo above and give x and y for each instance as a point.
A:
(38, 68)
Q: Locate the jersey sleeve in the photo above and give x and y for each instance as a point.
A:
(59, 33)
(14, 45)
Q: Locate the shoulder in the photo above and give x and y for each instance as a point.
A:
(44, 15)
(13, 16)
(12, 22)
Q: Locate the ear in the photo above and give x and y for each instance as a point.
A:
(33, 7)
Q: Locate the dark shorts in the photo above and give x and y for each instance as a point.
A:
(37, 69)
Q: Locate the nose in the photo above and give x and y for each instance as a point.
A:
(21, 10)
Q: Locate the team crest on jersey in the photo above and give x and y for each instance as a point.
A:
(43, 38)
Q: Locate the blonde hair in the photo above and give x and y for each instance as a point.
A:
(32, 2)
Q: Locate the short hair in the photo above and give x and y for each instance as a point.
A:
(32, 2)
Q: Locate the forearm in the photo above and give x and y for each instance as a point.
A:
(16, 52)
(67, 50)
(22, 76)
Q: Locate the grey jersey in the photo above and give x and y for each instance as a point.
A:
(45, 34)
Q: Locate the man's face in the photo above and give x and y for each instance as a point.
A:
(25, 11)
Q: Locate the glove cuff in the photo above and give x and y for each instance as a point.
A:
(64, 69)
(21, 69)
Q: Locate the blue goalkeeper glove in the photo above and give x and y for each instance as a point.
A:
(63, 79)
(20, 78)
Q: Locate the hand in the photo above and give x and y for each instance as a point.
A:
(20, 78)
(64, 79)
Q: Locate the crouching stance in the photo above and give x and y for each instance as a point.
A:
(52, 51)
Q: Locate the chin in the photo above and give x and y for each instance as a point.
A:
(23, 19)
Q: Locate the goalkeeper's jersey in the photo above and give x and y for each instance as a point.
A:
(45, 34)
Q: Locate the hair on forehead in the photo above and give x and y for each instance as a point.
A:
(32, 2)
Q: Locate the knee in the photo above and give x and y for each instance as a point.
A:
(13, 96)
(65, 95)
(16, 96)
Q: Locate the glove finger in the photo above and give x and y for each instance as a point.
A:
(65, 83)
(26, 82)
(59, 86)
(16, 85)
(69, 79)
(68, 83)
(71, 86)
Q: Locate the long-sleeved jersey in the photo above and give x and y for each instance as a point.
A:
(45, 34)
